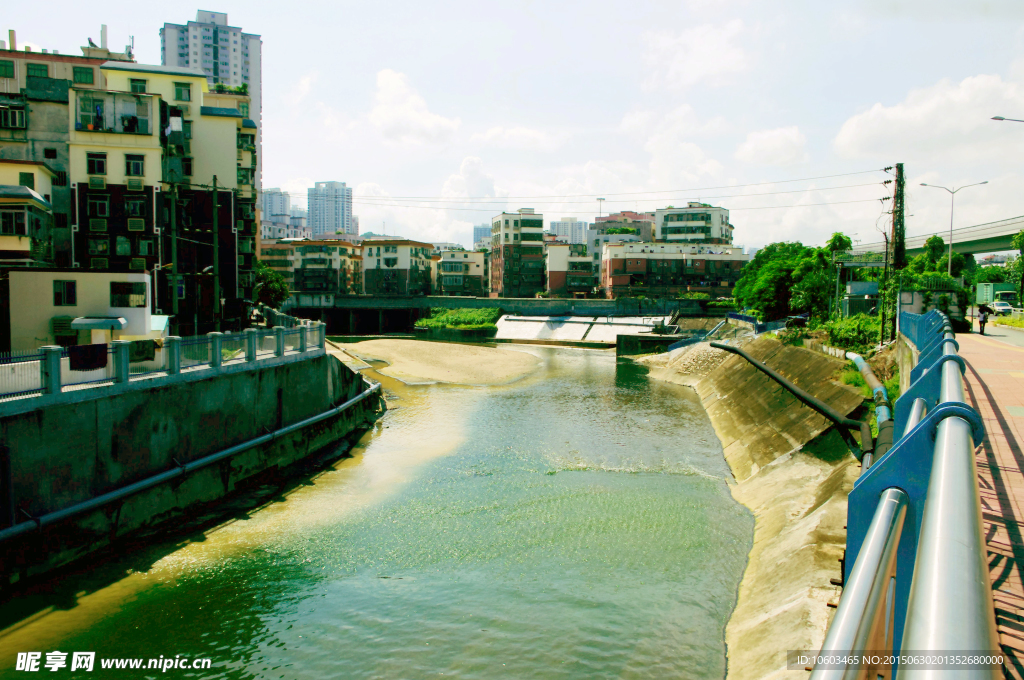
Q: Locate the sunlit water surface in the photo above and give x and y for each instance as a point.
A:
(574, 524)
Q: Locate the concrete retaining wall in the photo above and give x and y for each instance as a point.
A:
(67, 453)
(526, 306)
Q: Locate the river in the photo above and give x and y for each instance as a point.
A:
(574, 524)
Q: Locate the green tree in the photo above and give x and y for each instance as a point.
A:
(1018, 265)
(934, 248)
(839, 242)
(272, 289)
(959, 263)
(989, 275)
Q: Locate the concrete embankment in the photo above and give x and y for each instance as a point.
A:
(796, 491)
(66, 457)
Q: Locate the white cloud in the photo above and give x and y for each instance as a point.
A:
(517, 138)
(402, 115)
(707, 52)
(780, 147)
(675, 160)
(945, 122)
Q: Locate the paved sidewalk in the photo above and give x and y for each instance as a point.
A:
(995, 387)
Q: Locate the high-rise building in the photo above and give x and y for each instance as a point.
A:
(276, 202)
(330, 209)
(227, 56)
(696, 222)
(517, 254)
(570, 229)
(481, 232)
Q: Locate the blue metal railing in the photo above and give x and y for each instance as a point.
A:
(919, 581)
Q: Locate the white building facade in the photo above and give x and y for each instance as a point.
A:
(570, 230)
(697, 222)
(274, 203)
(330, 209)
(226, 55)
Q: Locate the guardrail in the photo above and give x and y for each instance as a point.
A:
(49, 370)
(919, 583)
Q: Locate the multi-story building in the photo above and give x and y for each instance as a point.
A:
(570, 230)
(330, 209)
(461, 272)
(327, 266)
(597, 237)
(275, 202)
(26, 217)
(272, 231)
(34, 116)
(697, 222)
(396, 267)
(281, 257)
(226, 56)
(145, 155)
(643, 229)
(570, 271)
(517, 254)
(627, 216)
(670, 268)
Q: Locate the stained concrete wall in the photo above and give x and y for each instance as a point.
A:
(67, 453)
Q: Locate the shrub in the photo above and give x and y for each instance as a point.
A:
(857, 333)
(460, 318)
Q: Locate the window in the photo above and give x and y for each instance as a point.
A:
(6, 68)
(61, 180)
(49, 153)
(12, 222)
(186, 167)
(122, 246)
(127, 294)
(244, 110)
(27, 179)
(12, 118)
(146, 246)
(183, 92)
(99, 206)
(134, 165)
(135, 207)
(65, 293)
(99, 246)
(186, 128)
(96, 163)
(137, 85)
(83, 75)
(37, 70)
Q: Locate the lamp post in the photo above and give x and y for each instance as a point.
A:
(600, 208)
(1014, 120)
(952, 198)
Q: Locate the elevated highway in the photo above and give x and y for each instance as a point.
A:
(981, 238)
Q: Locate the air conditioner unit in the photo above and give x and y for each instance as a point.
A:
(135, 184)
(98, 263)
(185, 110)
(136, 224)
(239, 224)
(97, 224)
(137, 263)
(97, 182)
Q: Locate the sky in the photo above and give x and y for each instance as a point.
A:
(441, 115)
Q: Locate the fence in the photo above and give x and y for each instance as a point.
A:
(48, 370)
(919, 582)
(757, 326)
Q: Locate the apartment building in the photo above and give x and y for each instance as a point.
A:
(517, 254)
(570, 230)
(273, 231)
(327, 266)
(226, 56)
(34, 116)
(330, 209)
(597, 237)
(461, 272)
(697, 222)
(481, 232)
(627, 216)
(396, 267)
(570, 271)
(26, 216)
(670, 269)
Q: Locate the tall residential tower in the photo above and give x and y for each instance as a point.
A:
(330, 209)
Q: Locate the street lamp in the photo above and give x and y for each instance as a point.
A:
(1015, 120)
(600, 208)
(952, 197)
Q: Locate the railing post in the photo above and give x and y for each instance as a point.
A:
(49, 369)
(322, 337)
(250, 344)
(121, 365)
(303, 338)
(172, 346)
(216, 356)
(279, 338)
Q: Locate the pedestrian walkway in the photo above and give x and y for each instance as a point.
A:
(995, 387)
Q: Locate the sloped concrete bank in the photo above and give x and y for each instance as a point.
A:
(797, 492)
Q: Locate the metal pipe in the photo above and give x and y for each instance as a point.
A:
(815, 403)
(857, 623)
(882, 407)
(142, 485)
(950, 606)
(917, 411)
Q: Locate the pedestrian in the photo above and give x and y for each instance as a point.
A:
(982, 320)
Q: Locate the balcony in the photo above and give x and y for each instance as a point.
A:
(112, 112)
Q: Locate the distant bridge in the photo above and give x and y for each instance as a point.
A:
(981, 238)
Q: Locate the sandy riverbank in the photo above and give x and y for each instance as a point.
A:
(417, 361)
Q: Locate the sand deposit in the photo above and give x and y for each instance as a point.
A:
(417, 361)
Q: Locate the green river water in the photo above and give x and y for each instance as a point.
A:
(574, 524)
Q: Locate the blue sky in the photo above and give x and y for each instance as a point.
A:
(552, 104)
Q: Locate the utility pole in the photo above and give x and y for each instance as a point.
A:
(216, 257)
(174, 255)
(899, 227)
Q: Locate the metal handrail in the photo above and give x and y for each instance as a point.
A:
(926, 513)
